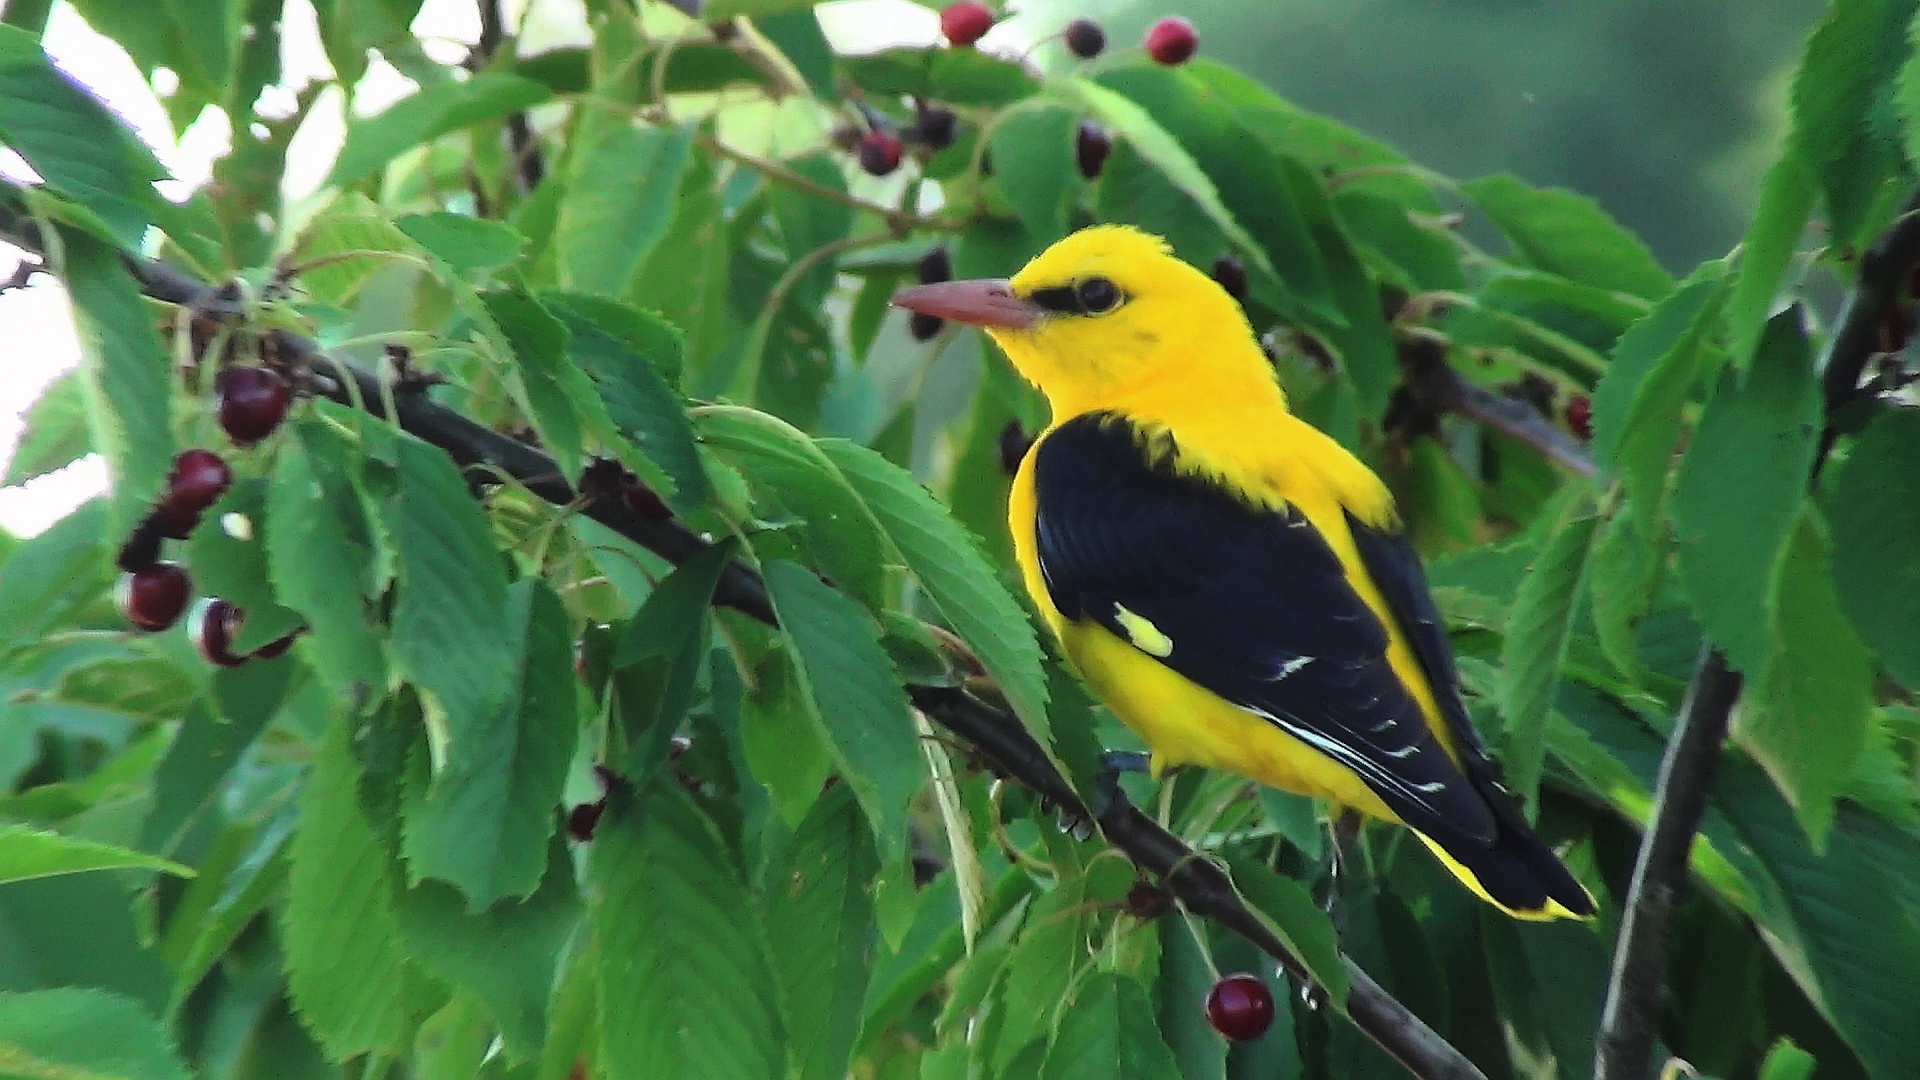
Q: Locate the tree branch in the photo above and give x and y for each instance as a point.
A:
(1624, 1047)
(528, 164)
(1198, 882)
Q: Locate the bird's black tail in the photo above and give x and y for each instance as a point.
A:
(1516, 871)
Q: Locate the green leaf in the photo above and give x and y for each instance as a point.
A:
(345, 966)
(452, 637)
(82, 149)
(427, 115)
(47, 577)
(55, 434)
(463, 243)
(229, 560)
(31, 853)
(1836, 921)
(947, 562)
(484, 822)
(207, 748)
(1107, 1030)
(621, 183)
(1626, 567)
(1535, 647)
(657, 662)
(558, 395)
(1740, 488)
(783, 748)
(1786, 201)
(1568, 234)
(318, 566)
(1041, 965)
(634, 360)
(1300, 923)
(1637, 403)
(851, 694)
(1845, 79)
(1033, 161)
(782, 461)
(685, 985)
(1242, 169)
(1786, 1061)
(1875, 513)
(1807, 715)
(77, 1034)
(1127, 119)
(505, 956)
(819, 919)
(124, 369)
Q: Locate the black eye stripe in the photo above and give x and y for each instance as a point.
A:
(1094, 296)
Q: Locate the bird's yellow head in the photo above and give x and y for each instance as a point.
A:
(1103, 314)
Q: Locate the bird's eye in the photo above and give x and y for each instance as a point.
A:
(1097, 295)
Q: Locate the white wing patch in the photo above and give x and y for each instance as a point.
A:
(1142, 633)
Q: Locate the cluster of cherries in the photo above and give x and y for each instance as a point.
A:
(154, 593)
(1171, 41)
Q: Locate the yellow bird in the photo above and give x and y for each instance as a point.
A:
(1231, 581)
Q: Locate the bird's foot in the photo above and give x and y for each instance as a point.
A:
(1107, 784)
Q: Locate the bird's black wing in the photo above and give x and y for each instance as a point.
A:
(1248, 602)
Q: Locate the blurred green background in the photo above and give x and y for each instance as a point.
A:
(1666, 111)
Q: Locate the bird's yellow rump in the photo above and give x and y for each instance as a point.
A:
(1231, 581)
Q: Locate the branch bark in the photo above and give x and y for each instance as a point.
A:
(1624, 1047)
(996, 733)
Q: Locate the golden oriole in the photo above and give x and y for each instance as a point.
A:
(1231, 581)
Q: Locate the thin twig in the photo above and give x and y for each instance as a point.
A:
(1199, 884)
(525, 148)
(1630, 1020)
(899, 222)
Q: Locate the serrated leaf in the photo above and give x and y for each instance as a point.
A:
(783, 748)
(1637, 404)
(685, 986)
(32, 853)
(841, 532)
(505, 956)
(947, 562)
(451, 633)
(634, 359)
(1040, 967)
(51, 574)
(851, 694)
(55, 432)
(1535, 647)
(463, 243)
(1741, 484)
(1107, 1030)
(1786, 201)
(228, 559)
(1875, 514)
(558, 396)
(426, 115)
(1836, 920)
(1033, 161)
(317, 565)
(1845, 76)
(345, 966)
(1626, 566)
(124, 369)
(1568, 234)
(1298, 921)
(206, 749)
(1122, 116)
(71, 1033)
(819, 918)
(82, 149)
(621, 183)
(1806, 716)
(484, 822)
(657, 663)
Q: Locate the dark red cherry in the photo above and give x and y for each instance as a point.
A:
(1240, 1007)
(1090, 149)
(1172, 41)
(1580, 416)
(153, 597)
(966, 22)
(214, 624)
(253, 401)
(879, 152)
(1085, 39)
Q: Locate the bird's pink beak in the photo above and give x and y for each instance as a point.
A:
(986, 302)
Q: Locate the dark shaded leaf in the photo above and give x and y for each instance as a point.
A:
(1875, 513)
